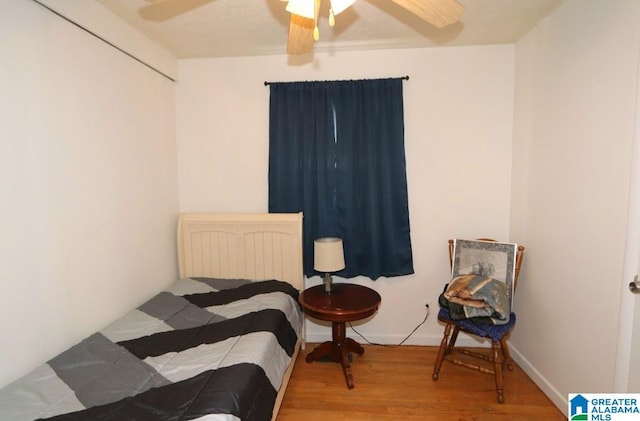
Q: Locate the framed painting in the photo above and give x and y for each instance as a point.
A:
(485, 258)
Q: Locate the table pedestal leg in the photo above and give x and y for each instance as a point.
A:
(338, 350)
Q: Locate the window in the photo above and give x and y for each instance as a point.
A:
(336, 153)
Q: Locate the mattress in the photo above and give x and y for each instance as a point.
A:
(204, 349)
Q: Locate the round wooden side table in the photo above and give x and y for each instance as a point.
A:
(346, 303)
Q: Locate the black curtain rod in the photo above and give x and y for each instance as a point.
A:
(104, 40)
(403, 78)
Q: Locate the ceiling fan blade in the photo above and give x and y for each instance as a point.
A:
(300, 35)
(439, 13)
(301, 32)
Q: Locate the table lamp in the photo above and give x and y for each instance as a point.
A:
(328, 257)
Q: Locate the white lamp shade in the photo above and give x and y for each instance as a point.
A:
(328, 254)
(304, 8)
(338, 6)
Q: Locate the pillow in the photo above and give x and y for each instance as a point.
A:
(221, 284)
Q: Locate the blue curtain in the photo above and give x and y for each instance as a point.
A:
(336, 153)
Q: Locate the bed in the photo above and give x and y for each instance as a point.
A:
(218, 344)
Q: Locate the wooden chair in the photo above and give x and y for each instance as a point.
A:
(500, 355)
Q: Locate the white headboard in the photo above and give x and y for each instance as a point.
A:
(241, 246)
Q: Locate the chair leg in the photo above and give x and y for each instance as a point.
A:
(507, 355)
(497, 362)
(454, 338)
(441, 352)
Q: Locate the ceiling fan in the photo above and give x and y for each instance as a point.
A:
(303, 30)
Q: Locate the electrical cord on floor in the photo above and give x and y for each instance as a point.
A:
(392, 345)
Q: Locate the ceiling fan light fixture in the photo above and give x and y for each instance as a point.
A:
(339, 6)
(304, 8)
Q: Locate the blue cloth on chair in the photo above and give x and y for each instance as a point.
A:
(495, 332)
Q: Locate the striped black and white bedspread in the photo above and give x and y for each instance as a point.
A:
(204, 349)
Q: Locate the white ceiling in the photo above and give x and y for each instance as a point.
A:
(218, 28)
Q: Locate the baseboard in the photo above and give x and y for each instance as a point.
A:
(560, 400)
(420, 340)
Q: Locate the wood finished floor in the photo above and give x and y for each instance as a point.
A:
(394, 383)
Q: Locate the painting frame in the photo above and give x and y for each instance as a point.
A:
(485, 258)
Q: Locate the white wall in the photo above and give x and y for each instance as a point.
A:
(576, 81)
(88, 185)
(100, 21)
(458, 132)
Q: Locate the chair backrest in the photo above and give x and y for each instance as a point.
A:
(518, 262)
